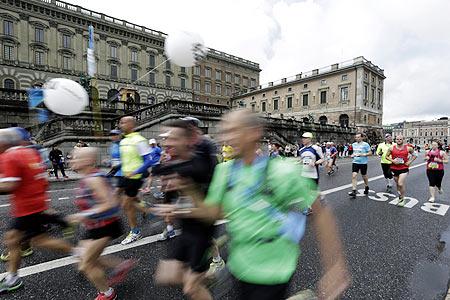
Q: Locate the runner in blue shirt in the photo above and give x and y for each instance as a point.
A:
(361, 153)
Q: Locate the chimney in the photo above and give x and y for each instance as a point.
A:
(298, 76)
(334, 67)
(283, 80)
(270, 83)
(315, 72)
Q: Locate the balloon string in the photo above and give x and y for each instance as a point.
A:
(134, 82)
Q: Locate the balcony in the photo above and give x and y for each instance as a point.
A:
(39, 44)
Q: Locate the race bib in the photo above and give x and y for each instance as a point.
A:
(307, 160)
(433, 165)
(400, 160)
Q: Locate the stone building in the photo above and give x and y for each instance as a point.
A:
(423, 132)
(345, 94)
(43, 39)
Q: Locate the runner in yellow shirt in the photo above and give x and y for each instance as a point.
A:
(386, 164)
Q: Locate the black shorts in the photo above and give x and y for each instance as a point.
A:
(193, 250)
(435, 177)
(359, 167)
(397, 173)
(113, 231)
(250, 291)
(386, 170)
(32, 225)
(130, 186)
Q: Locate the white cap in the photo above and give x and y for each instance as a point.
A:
(152, 141)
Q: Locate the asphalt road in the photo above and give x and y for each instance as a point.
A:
(392, 252)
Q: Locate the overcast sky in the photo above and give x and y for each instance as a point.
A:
(409, 39)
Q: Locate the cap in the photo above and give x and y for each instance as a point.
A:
(152, 141)
(193, 121)
(387, 135)
(308, 135)
(22, 133)
(329, 143)
(115, 132)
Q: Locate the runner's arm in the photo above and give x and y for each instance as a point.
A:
(413, 156)
(379, 150)
(8, 184)
(144, 151)
(445, 157)
(322, 158)
(104, 196)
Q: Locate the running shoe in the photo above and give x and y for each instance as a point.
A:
(68, 232)
(366, 190)
(352, 194)
(24, 253)
(388, 189)
(215, 267)
(401, 202)
(121, 271)
(440, 191)
(102, 296)
(166, 235)
(431, 199)
(131, 237)
(10, 286)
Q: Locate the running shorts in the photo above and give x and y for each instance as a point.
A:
(386, 170)
(435, 177)
(359, 167)
(250, 291)
(113, 231)
(32, 225)
(397, 173)
(193, 250)
(130, 186)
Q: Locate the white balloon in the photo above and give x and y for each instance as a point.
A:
(185, 48)
(65, 97)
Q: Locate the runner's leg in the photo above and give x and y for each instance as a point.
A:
(402, 184)
(13, 239)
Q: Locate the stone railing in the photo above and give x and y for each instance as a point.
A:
(13, 95)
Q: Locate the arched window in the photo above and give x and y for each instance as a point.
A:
(344, 120)
(9, 84)
(323, 120)
(113, 95)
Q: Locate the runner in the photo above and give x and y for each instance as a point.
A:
(23, 175)
(188, 263)
(135, 161)
(227, 152)
(401, 157)
(155, 153)
(331, 155)
(435, 169)
(256, 196)
(360, 153)
(385, 163)
(56, 157)
(114, 154)
(99, 213)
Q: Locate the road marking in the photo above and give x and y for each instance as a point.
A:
(63, 198)
(65, 261)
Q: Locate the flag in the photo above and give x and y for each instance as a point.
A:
(90, 53)
(35, 97)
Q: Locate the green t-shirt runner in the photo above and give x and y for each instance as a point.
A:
(250, 260)
(382, 150)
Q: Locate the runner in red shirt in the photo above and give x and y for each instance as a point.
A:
(401, 156)
(22, 174)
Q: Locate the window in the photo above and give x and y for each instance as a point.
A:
(323, 82)
(66, 62)
(66, 39)
(228, 91)
(373, 95)
(208, 72)
(197, 85)
(379, 98)
(183, 83)
(218, 75)
(305, 99)
(305, 86)
(134, 74)
(366, 76)
(39, 35)
(289, 102)
(373, 79)
(113, 51)
(183, 70)
(276, 92)
(275, 104)
(218, 89)
(168, 80)
(8, 27)
(134, 55)
(151, 78)
(113, 71)
(39, 58)
(8, 52)
(379, 83)
(263, 106)
(208, 87)
(228, 77)
(253, 107)
(9, 84)
(344, 77)
(289, 89)
(197, 70)
(344, 93)
(253, 82)
(168, 65)
(366, 92)
(323, 97)
(237, 79)
(245, 81)
(151, 60)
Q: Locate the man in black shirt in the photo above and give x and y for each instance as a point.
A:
(56, 157)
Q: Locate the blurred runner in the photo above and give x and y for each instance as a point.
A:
(258, 196)
(385, 163)
(23, 175)
(227, 152)
(99, 213)
(401, 157)
(331, 155)
(436, 158)
(155, 153)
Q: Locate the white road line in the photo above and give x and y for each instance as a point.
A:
(63, 198)
(65, 261)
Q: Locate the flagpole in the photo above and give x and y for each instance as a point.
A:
(91, 66)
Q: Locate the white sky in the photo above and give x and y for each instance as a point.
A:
(409, 39)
